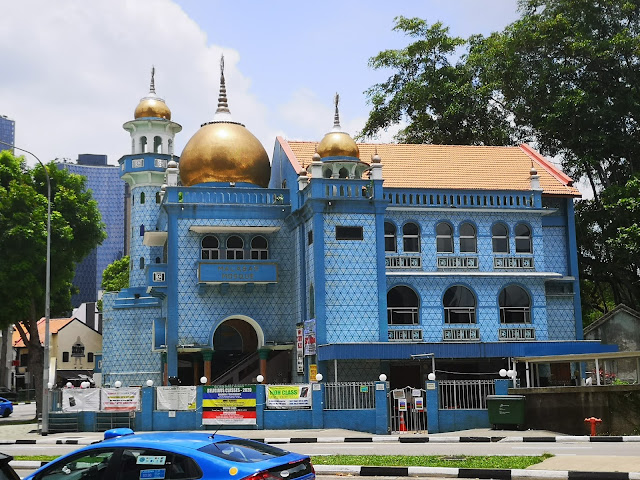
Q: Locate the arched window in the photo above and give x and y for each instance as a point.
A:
(402, 306)
(444, 238)
(210, 248)
(158, 197)
(312, 302)
(326, 173)
(143, 144)
(390, 244)
(411, 237)
(523, 239)
(142, 197)
(515, 305)
(157, 144)
(343, 173)
(259, 248)
(500, 238)
(235, 247)
(459, 305)
(142, 230)
(141, 263)
(157, 259)
(170, 146)
(468, 241)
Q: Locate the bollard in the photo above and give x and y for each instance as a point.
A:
(593, 421)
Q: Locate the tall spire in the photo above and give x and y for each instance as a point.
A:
(223, 114)
(336, 116)
(152, 87)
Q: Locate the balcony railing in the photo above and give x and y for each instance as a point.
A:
(405, 261)
(460, 199)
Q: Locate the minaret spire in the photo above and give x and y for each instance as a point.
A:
(223, 114)
(336, 116)
(152, 87)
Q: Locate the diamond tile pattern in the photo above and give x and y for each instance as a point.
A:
(555, 243)
(560, 318)
(143, 214)
(360, 371)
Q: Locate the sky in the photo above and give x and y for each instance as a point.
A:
(72, 71)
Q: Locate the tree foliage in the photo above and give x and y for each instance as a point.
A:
(76, 229)
(115, 277)
(565, 77)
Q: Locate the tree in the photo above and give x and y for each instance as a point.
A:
(76, 229)
(565, 77)
(115, 277)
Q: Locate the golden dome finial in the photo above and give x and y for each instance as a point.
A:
(152, 105)
(336, 115)
(337, 143)
(222, 113)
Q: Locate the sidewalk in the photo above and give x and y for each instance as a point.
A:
(558, 467)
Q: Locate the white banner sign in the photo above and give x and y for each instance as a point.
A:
(120, 399)
(80, 400)
(176, 398)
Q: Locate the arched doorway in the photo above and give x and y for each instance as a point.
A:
(235, 343)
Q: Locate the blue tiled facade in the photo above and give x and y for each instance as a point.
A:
(7, 132)
(108, 190)
(192, 307)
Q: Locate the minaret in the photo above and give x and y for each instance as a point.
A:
(152, 139)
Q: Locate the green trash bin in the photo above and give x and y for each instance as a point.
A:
(506, 410)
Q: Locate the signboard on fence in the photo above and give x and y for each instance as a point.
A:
(288, 396)
(120, 399)
(176, 398)
(80, 400)
(229, 405)
(310, 337)
(300, 348)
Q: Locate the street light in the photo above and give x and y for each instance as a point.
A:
(47, 300)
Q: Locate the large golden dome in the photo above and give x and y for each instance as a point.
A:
(152, 105)
(224, 150)
(337, 143)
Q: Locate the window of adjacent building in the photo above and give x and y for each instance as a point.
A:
(402, 306)
(312, 302)
(259, 249)
(444, 238)
(235, 248)
(523, 239)
(500, 238)
(349, 233)
(515, 305)
(142, 197)
(468, 239)
(210, 248)
(459, 305)
(65, 356)
(310, 237)
(410, 237)
(90, 357)
(390, 237)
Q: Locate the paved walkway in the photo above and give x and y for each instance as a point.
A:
(560, 466)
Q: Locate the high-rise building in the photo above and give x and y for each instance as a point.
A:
(7, 132)
(108, 190)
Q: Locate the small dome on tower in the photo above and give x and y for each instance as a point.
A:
(337, 143)
(224, 151)
(152, 105)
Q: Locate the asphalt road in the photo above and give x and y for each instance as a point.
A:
(21, 411)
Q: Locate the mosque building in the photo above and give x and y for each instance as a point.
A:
(343, 258)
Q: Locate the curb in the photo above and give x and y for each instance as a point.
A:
(377, 439)
(471, 473)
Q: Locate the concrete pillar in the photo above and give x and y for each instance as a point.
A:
(382, 409)
(433, 419)
(165, 370)
(317, 405)
(263, 353)
(207, 356)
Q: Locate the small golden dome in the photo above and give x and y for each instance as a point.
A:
(224, 152)
(338, 144)
(152, 107)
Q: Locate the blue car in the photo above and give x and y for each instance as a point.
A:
(124, 455)
(6, 407)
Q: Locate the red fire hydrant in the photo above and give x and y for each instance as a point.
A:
(593, 421)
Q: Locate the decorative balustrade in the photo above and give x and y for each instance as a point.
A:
(459, 199)
(506, 334)
(514, 263)
(457, 262)
(228, 196)
(406, 261)
(460, 334)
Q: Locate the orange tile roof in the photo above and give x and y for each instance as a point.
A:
(55, 324)
(451, 166)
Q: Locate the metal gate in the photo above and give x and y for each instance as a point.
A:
(407, 410)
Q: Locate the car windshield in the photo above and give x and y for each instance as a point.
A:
(246, 451)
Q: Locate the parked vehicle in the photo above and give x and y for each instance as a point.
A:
(9, 394)
(6, 407)
(124, 455)
(5, 469)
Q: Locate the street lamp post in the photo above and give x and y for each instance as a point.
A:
(47, 300)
